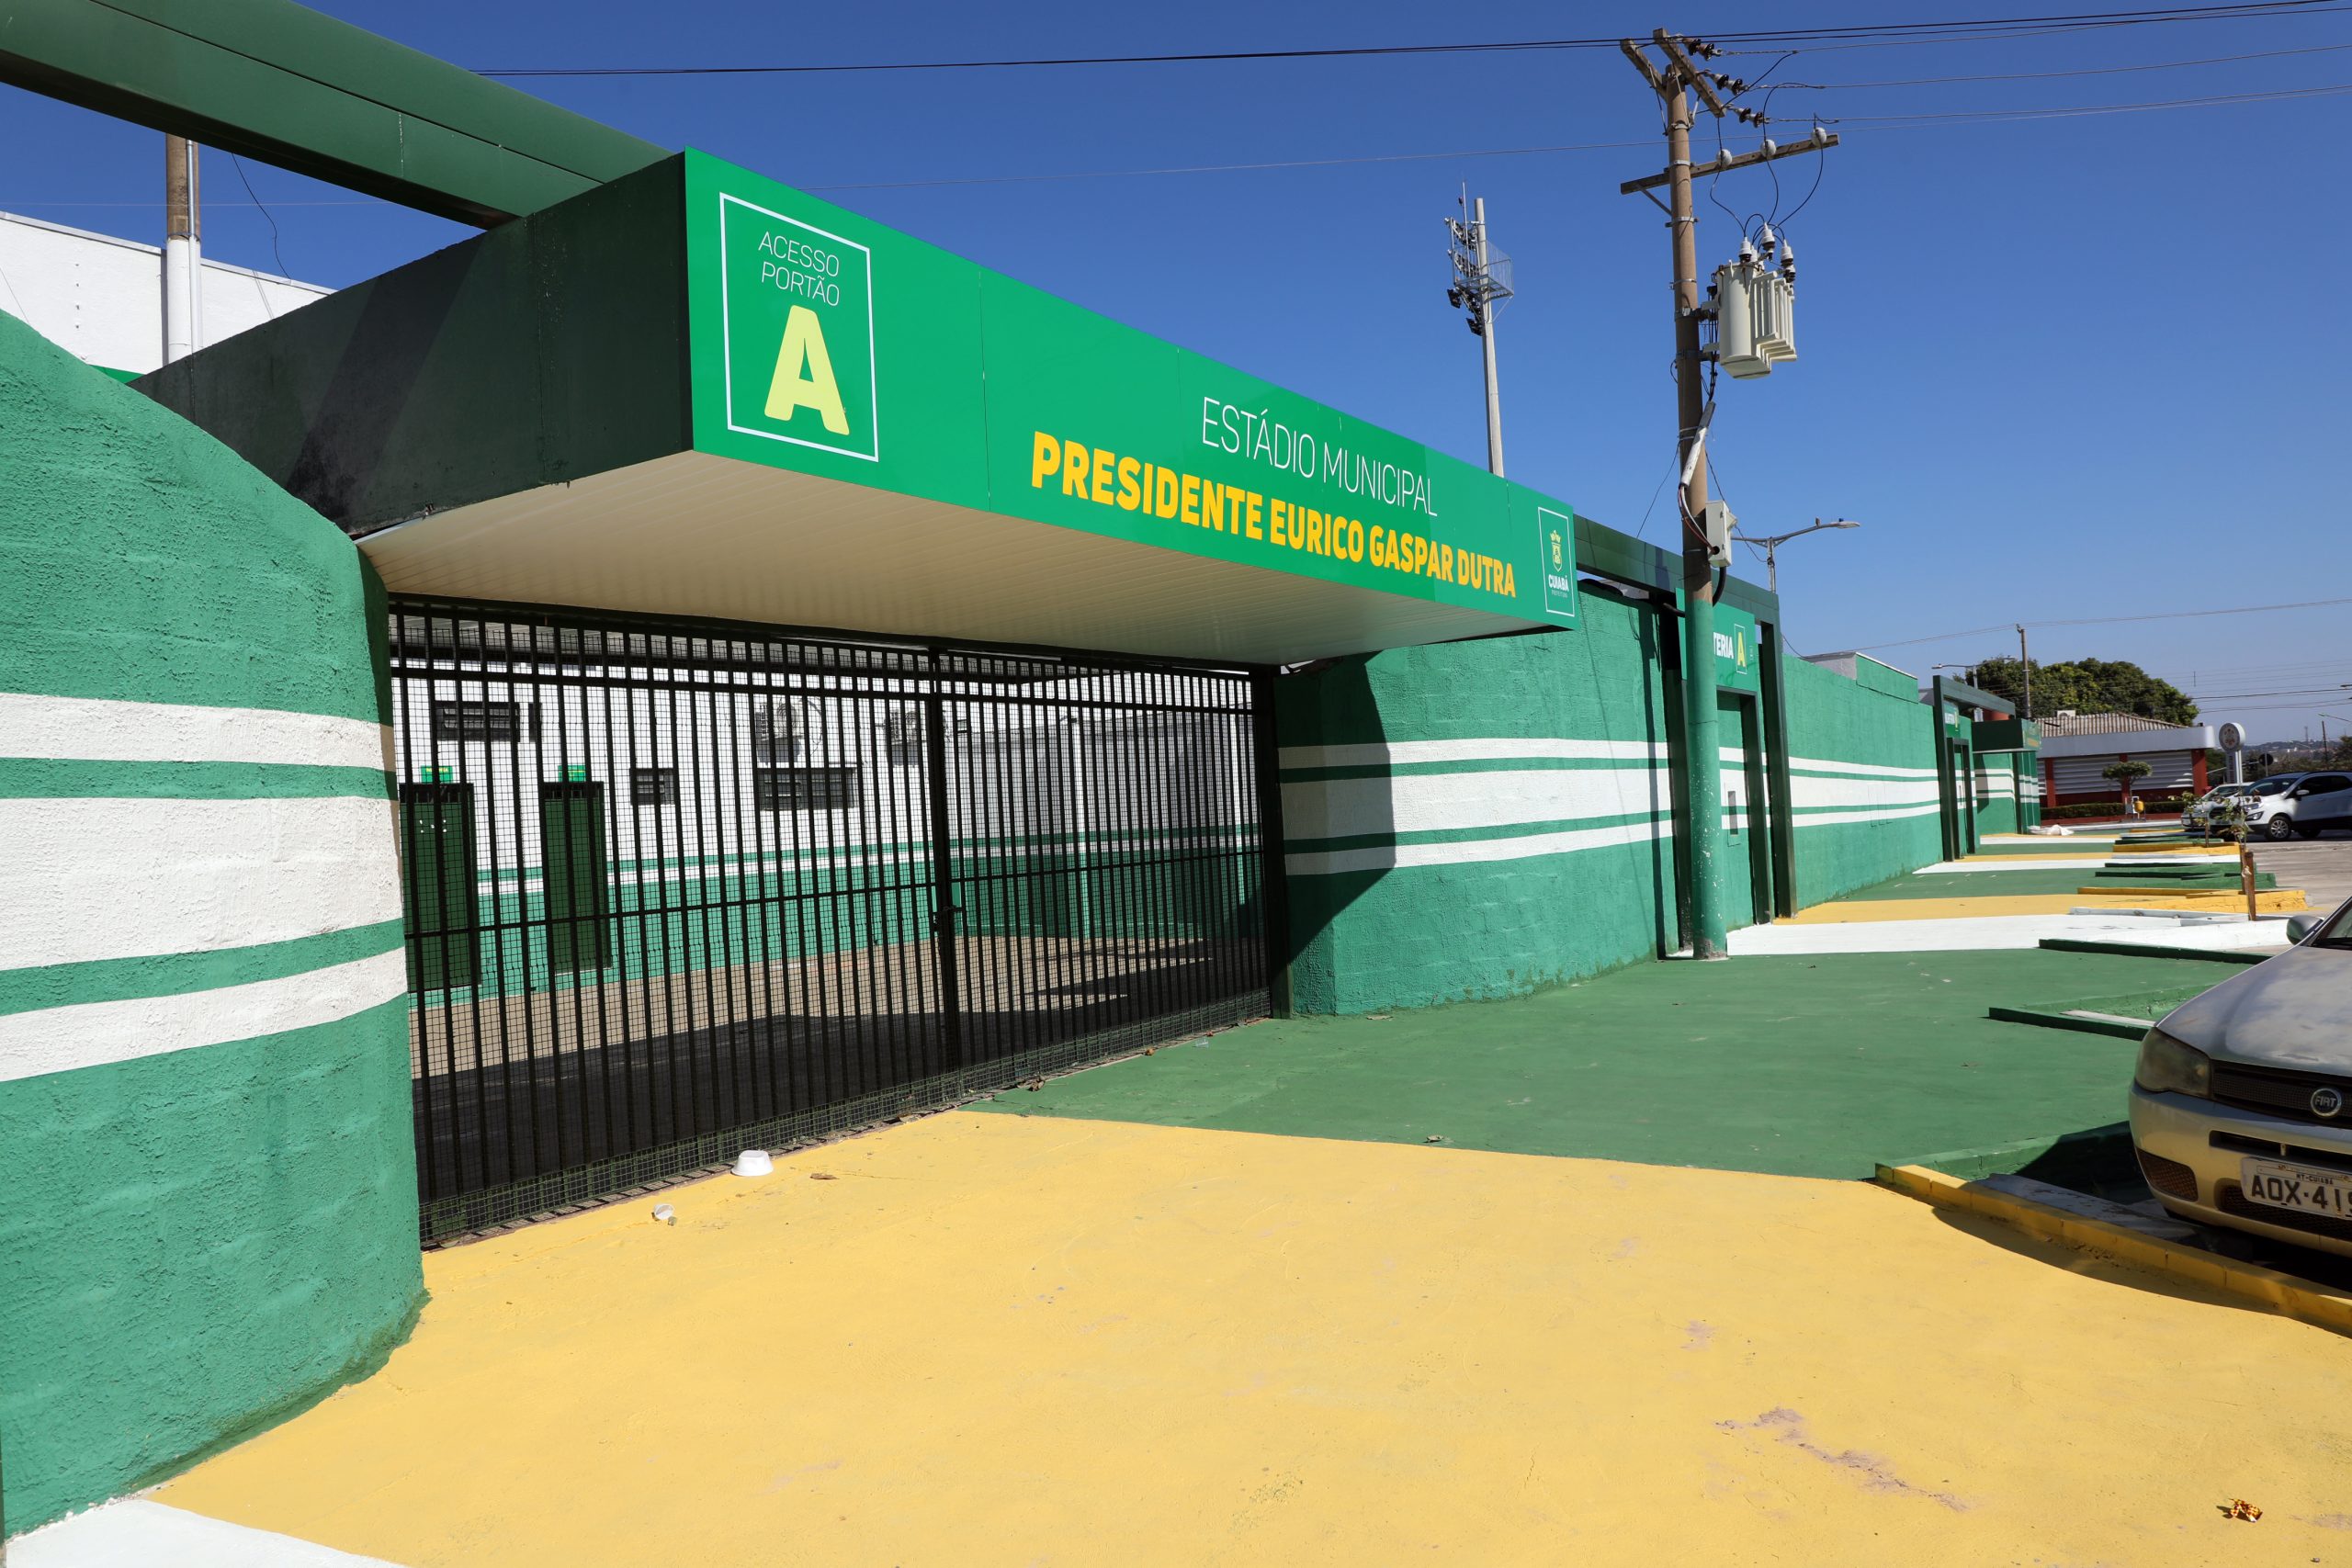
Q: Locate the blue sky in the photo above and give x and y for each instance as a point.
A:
(2061, 367)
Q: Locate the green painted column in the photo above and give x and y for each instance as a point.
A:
(206, 1129)
(1702, 782)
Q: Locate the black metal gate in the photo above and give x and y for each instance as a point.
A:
(676, 889)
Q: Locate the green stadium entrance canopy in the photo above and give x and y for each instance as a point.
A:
(693, 390)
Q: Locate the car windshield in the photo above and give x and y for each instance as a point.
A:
(2337, 932)
(2272, 787)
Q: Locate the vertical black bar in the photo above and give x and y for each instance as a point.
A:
(1273, 898)
(627, 851)
(943, 870)
(1776, 747)
(1668, 625)
(425, 1083)
(751, 889)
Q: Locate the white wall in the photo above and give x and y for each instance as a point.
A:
(101, 298)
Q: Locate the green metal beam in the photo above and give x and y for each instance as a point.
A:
(280, 81)
(1607, 552)
(1968, 697)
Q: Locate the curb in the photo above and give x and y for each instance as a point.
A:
(2149, 950)
(2215, 892)
(2296, 1298)
(2196, 900)
(2096, 1155)
(2077, 1022)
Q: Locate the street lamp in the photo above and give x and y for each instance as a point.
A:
(1770, 545)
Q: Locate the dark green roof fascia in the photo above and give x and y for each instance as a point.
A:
(1968, 697)
(545, 350)
(282, 83)
(1605, 552)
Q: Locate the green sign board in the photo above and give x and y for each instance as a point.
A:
(2005, 733)
(1739, 662)
(828, 344)
(811, 292)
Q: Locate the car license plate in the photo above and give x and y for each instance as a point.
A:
(2297, 1187)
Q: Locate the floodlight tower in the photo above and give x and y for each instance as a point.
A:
(1481, 282)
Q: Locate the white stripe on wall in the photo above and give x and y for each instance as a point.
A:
(1873, 770)
(1806, 791)
(1378, 753)
(57, 1039)
(1410, 802)
(96, 729)
(89, 879)
(1386, 857)
(1827, 818)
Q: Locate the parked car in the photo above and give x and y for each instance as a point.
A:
(2202, 811)
(2241, 1100)
(2301, 806)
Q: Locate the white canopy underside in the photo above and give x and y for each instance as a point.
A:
(698, 535)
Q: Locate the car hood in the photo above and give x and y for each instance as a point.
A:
(2294, 1011)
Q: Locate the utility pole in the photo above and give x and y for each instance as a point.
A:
(1702, 762)
(2025, 666)
(183, 251)
(1480, 285)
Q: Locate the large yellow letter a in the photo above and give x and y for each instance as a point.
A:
(804, 343)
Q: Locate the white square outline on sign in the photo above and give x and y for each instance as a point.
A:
(1543, 558)
(726, 337)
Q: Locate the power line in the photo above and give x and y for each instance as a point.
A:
(2022, 31)
(1878, 123)
(283, 270)
(1999, 117)
(2102, 621)
(2054, 75)
(1231, 168)
(2247, 10)
(2334, 690)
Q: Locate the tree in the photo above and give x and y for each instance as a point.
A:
(2086, 686)
(2125, 771)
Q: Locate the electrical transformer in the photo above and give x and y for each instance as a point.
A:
(1775, 314)
(1736, 348)
(1755, 314)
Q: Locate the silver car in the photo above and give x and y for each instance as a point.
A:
(2207, 806)
(2242, 1101)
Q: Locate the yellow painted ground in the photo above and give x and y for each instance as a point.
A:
(1839, 913)
(1001, 1340)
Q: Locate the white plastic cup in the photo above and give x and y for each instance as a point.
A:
(754, 1162)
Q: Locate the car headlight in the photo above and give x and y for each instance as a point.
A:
(2167, 1066)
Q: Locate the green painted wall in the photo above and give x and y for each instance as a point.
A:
(205, 1145)
(1874, 816)
(1433, 858)
(1481, 819)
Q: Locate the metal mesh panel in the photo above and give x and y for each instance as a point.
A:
(673, 889)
